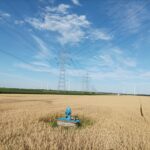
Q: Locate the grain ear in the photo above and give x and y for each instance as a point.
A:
(141, 110)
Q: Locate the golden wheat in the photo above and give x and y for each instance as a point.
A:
(118, 124)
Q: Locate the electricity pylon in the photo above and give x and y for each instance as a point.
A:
(85, 83)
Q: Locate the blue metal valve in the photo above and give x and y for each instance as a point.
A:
(68, 120)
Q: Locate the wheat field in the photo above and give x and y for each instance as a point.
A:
(117, 123)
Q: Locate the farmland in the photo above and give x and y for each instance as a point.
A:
(116, 122)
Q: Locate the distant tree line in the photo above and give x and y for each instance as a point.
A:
(43, 91)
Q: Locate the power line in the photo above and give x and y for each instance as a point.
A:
(27, 43)
(14, 56)
(83, 53)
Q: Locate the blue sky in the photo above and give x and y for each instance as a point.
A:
(109, 40)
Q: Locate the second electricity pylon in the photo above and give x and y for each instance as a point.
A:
(62, 72)
(85, 83)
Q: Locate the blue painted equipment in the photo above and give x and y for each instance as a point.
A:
(68, 120)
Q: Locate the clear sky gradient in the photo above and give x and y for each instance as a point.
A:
(109, 40)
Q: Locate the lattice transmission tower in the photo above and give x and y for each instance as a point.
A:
(85, 83)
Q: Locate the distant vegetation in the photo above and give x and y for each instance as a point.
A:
(43, 91)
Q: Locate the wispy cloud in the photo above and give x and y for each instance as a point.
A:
(76, 2)
(118, 74)
(47, 1)
(41, 61)
(145, 74)
(98, 34)
(40, 64)
(113, 58)
(43, 51)
(47, 68)
(128, 16)
(4, 15)
(17, 22)
(34, 67)
(62, 8)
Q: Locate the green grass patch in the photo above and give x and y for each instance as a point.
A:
(51, 120)
(53, 124)
(85, 121)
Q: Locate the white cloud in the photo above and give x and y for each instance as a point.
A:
(145, 74)
(98, 34)
(117, 50)
(40, 63)
(130, 62)
(46, 68)
(34, 67)
(71, 28)
(4, 15)
(128, 17)
(19, 22)
(112, 58)
(76, 2)
(106, 60)
(134, 20)
(43, 51)
(47, 1)
(115, 74)
(62, 8)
